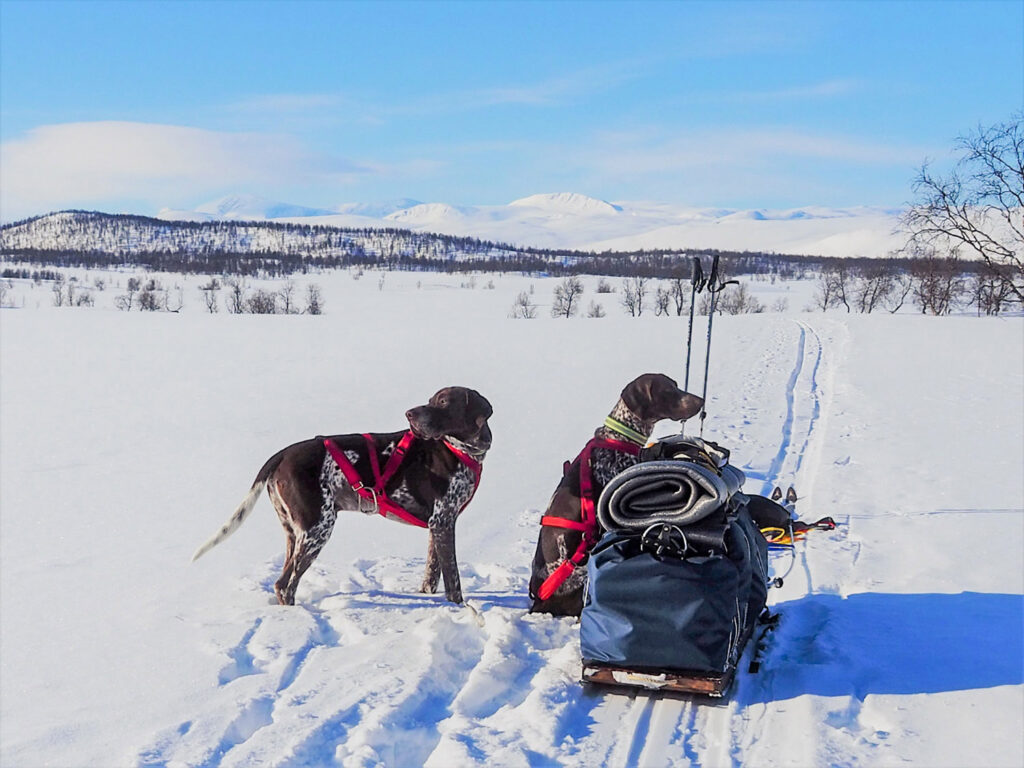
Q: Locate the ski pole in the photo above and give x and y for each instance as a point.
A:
(715, 287)
(696, 286)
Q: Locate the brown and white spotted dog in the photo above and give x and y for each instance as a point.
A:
(645, 401)
(308, 489)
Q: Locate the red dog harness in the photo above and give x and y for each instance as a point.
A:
(377, 493)
(588, 517)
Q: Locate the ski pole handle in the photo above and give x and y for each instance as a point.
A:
(713, 280)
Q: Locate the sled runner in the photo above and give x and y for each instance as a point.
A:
(714, 686)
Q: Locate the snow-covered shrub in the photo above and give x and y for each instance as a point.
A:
(523, 307)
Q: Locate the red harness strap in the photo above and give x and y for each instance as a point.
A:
(377, 494)
(475, 466)
(588, 516)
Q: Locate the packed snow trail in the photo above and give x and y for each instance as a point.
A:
(697, 731)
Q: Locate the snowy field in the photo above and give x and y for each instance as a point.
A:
(126, 439)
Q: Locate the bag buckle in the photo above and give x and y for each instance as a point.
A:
(664, 538)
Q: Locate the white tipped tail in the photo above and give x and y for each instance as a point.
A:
(235, 521)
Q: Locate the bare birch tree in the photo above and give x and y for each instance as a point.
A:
(978, 208)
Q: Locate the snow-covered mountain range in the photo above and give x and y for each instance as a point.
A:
(579, 222)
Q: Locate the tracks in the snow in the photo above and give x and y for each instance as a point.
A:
(803, 408)
(376, 674)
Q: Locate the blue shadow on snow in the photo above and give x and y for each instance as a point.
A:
(881, 643)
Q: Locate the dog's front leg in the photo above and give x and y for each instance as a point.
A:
(442, 537)
(433, 572)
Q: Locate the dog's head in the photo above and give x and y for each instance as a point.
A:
(654, 396)
(453, 412)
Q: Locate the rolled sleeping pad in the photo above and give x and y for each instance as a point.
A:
(672, 492)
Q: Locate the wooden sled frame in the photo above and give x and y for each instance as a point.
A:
(672, 681)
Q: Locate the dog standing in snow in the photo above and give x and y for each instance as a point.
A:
(429, 475)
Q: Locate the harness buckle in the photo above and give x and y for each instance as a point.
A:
(371, 498)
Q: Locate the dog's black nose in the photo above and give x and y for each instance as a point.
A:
(408, 414)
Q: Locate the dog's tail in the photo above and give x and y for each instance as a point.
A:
(236, 520)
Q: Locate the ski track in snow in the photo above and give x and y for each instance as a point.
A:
(373, 673)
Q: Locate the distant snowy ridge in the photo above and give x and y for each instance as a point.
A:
(379, 209)
(560, 224)
(569, 220)
(429, 213)
(182, 243)
(250, 207)
(568, 202)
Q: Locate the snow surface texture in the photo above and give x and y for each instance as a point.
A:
(128, 438)
(571, 220)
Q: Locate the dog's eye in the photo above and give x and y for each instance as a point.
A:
(443, 402)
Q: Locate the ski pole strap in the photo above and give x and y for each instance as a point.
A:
(697, 280)
(713, 279)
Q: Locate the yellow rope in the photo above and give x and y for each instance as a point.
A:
(781, 535)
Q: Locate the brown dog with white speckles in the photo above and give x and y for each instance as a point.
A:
(645, 401)
(432, 484)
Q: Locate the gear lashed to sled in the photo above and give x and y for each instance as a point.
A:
(678, 522)
(678, 584)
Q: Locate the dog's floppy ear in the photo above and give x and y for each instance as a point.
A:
(691, 405)
(637, 395)
(479, 404)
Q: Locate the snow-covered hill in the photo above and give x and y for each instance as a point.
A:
(126, 237)
(579, 222)
(255, 208)
(569, 203)
(248, 207)
(127, 438)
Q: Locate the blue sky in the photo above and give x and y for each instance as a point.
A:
(132, 106)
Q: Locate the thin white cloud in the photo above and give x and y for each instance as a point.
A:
(287, 102)
(826, 89)
(648, 152)
(557, 90)
(560, 88)
(77, 164)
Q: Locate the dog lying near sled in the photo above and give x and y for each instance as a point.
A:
(569, 527)
(429, 475)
